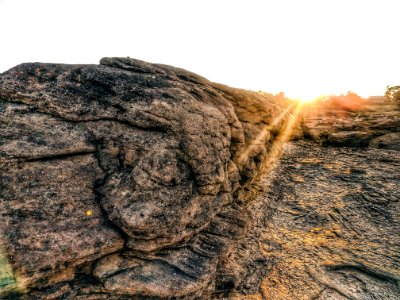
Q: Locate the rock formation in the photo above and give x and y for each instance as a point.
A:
(130, 180)
(369, 125)
(326, 222)
(124, 178)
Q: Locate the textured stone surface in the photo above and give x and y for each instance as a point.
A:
(124, 178)
(327, 227)
(369, 124)
(130, 180)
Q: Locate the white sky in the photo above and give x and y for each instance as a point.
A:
(303, 47)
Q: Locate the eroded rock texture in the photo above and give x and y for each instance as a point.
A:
(123, 179)
(326, 227)
(326, 222)
(375, 125)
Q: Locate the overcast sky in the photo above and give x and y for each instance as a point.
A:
(302, 47)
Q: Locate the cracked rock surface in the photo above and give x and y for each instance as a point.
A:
(326, 227)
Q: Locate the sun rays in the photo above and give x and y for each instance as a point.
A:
(292, 114)
(287, 121)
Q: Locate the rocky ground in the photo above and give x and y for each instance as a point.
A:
(374, 125)
(328, 227)
(130, 180)
(327, 218)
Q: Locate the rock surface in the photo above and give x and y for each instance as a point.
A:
(369, 125)
(130, 180)
(328, 226)
(123, 178)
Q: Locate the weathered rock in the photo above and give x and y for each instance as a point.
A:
(362, 127)
(326, 227)
(125, 176)
(387, 141)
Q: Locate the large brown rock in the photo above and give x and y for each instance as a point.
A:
(124, 178)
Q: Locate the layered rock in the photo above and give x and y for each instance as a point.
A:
(375, 125)
(124, 178)
(326, 221)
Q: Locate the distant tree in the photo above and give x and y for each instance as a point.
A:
(393, 93)
(351, 96)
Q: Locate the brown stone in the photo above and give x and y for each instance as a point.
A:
(124, 173)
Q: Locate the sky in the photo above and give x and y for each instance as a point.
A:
(304, 48)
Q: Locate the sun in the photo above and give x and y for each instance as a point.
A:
(306, 100)
(304, 96)
(309, 98)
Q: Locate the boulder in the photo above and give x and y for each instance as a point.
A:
(388, 141)
(123, 178)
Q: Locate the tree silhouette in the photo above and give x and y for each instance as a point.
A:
(393, 93)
